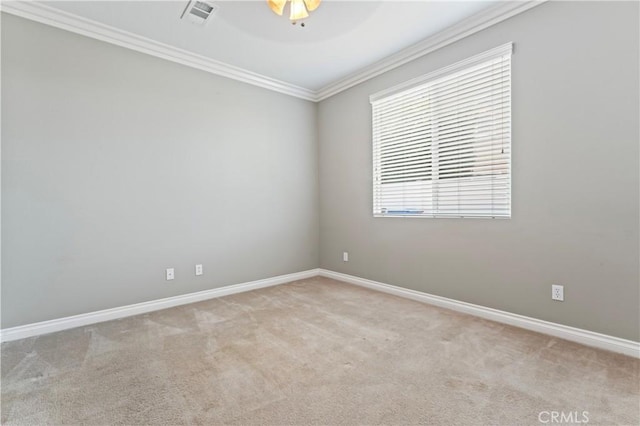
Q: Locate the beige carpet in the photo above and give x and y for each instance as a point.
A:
(311, 352)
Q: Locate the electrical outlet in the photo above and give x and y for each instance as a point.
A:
(557, 292)
(345, 256)
(199, 270)
(170, 274)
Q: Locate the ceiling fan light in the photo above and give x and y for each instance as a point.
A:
(312, 4)
(298, 10)
(277, 6)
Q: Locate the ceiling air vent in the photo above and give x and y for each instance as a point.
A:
(199, 12)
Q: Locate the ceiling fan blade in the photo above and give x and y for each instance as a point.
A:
(312, 4)
(298, 11)
(277, 6)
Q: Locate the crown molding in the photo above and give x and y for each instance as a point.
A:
(464, 28)
(54, 17)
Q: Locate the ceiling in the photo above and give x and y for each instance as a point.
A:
(339, 39)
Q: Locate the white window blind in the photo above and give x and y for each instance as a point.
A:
(442, 143)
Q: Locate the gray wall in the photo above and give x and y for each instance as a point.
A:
(117, 165)
(575, 179)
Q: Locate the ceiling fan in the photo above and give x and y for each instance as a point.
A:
(298, 9)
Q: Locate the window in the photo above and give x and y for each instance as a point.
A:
(442, 142)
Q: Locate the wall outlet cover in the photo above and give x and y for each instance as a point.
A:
(557, 292)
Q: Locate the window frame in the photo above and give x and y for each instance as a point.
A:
(424, 80)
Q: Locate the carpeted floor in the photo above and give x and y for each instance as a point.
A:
(315, 351)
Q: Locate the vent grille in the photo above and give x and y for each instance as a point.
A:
(199, 12)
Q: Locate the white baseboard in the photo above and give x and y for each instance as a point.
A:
(44, 327)
(585, 337)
